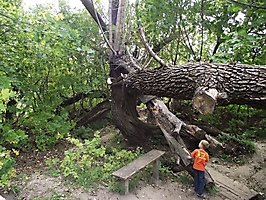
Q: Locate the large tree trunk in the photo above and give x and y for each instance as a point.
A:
(125, 115)
(207, 84)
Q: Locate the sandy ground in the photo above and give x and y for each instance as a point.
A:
(41, 186)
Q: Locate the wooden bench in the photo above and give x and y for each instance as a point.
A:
(135, 166)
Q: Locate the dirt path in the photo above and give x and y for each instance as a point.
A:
(34, 184)
(41, 186)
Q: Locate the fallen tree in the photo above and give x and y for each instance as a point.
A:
(206, 84)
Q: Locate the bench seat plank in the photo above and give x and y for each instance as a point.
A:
(138, 164)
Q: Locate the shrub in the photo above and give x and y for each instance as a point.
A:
(7, 171)
(88, 164)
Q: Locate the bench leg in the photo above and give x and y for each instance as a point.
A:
(125, 184)
(156, 171)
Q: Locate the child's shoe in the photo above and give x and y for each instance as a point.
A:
(202, 196)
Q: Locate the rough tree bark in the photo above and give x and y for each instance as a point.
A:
(235, 84)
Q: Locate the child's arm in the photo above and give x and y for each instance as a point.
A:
(192, 155)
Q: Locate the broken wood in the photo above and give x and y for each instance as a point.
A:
(171, 125)
(98, 112)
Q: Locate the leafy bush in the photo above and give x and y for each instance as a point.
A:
(245, 145)
(7, 171)
(11, 137)
(88, 164)
(48, 128)
(243, 124)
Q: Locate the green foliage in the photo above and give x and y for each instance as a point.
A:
(48, 128)
(165, 171)
(185, 178)
(6, 167)
(213, 190)
(9, 136)
(53, 165)
(242, 123)
(88, 164)
(238, 120)
(245, 144)
(98, 125)
(218, 31)
(83, 132)
(47, 59)
(115, 186)
(15, 189)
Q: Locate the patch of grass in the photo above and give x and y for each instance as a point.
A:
(116, 186)
(184, 178)
(244, 145)
(55, 196)
(90, 177)
(88, 164)
(53, 165)
(225, 157)
(213, 190)
(165, 172)
(15, 189)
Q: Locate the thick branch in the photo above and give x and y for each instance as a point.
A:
(95, 15)
(76, 98)
(235, 84)
(171, 127)
(98, 112)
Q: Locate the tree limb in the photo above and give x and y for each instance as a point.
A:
(145, 42)
(248, 5)
(90, 8)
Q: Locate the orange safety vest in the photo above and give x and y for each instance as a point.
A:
(201, 157)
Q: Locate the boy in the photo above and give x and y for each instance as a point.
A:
(201, 157)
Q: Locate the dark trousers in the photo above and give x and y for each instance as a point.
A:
(199, 181)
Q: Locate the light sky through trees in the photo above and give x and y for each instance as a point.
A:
(73, 3)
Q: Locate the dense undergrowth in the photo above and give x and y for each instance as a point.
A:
(242, 124)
